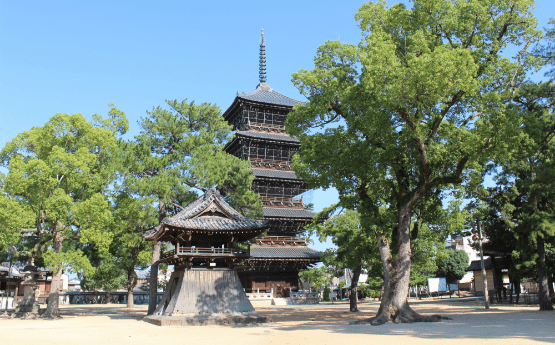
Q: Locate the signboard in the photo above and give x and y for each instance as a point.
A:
(453, 287)
(437, 284)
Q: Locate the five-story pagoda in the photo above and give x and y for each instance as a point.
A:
(259, 118)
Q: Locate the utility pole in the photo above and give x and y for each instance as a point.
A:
(484, 277)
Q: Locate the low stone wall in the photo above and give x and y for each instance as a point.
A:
(260, 299)
(257, 296)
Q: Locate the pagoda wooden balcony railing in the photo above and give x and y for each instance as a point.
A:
(206, 252)
(270, 163)
(266, 127)
(281, 201)
(280, 241)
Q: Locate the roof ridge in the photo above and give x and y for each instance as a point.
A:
(200, 205)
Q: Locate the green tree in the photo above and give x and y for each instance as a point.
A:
(127, 252)
(60, 172)
(131, 217)
(179, 151)
(532, 170)
(14, 216)
(453, 266)
(419, 106)
(318, 277)
(107, 276)
(498, 207)
(546, 51)
(355, 250)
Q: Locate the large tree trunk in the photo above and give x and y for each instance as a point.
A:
(543, 291)
(353, 298)
(153, 279)
(394, 306)
(107, 297)
(56, 285)
(550, 286)
(517, 289)
(130, 285)
(54, 296)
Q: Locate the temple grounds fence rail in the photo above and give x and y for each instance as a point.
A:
(193, 251)
(524, 298)
(80, 297)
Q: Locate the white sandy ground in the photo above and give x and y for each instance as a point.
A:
(320, 324)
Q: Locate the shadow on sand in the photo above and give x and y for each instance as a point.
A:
(470, 321)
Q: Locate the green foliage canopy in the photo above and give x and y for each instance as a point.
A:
(453, 265)
(317, 276)
(58, 176)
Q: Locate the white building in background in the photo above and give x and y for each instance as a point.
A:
(347, 278)
(458, 242)
(74, 284)
(463, 243)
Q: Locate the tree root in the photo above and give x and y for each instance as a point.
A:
(402, 316)
(50, 316)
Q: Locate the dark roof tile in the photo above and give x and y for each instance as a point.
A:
(271, 136)
(191, 218)
(301, 252)
(275, 173)
(476, 265)
(265, 94)
(275, 212)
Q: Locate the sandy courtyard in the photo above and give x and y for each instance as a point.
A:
(319, 324)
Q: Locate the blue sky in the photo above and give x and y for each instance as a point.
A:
(76, 57)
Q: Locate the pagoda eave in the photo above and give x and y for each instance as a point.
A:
(169, 233)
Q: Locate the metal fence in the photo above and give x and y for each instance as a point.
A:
(77, 297)
(525, 298)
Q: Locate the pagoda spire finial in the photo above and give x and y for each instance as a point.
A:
(262, 66)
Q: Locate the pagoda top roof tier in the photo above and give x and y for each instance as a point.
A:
(209, 213)
(262, 95)
(265, 94)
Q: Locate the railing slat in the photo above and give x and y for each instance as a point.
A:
(214, 251)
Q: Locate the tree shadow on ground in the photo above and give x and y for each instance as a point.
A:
(127, 317)
(470, 321)
(112, 311)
